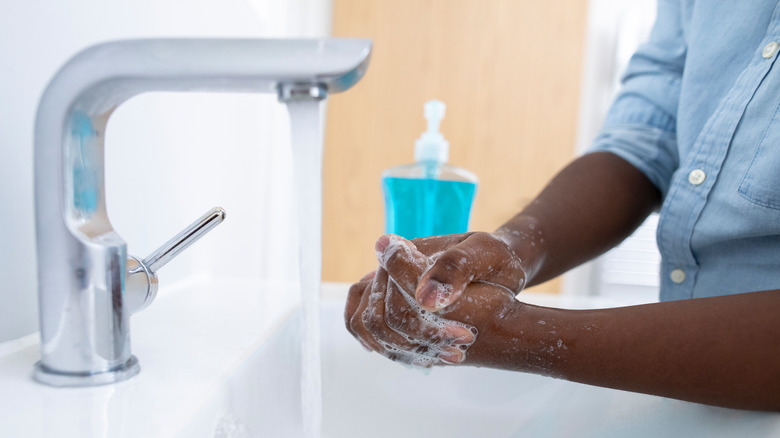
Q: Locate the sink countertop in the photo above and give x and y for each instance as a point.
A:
(187, 341)
(198, 349)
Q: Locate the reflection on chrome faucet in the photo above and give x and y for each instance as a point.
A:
(88, 286)
(141, 275)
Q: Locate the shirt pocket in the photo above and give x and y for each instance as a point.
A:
(761, 183)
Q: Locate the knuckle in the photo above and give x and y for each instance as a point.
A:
(374, 323)
(356, 288)
(353, 325)
(493, 244)
(397, 317)
(391, 258)
(370, 325)
(454, 260)
(348, 324)
(485, 241)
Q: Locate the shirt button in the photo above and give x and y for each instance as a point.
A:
(770, 50)
(696, 177)
(677, 276)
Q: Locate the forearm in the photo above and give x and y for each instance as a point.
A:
(721, 351)
(589, 207)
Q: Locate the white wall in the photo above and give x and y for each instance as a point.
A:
(168, 157)
(628, 273)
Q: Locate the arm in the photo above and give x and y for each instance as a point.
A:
(590, 206)
(720, 351)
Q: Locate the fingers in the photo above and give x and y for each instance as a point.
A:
(402, 261)
(404, 265)
(386, 319)
(357, 299)
(480, 257)
(439, 337)
(355, 294)
(382, 314)
(434, 244)
(373, 316)
(366, 321)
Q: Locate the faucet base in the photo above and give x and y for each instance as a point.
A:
(49, 377)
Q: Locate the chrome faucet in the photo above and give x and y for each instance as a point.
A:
(88, 286)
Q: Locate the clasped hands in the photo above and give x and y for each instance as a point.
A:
(431, 299)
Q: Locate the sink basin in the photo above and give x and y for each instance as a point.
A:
(365, 394)
(222, 359)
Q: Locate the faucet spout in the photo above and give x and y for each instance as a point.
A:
(82, 261)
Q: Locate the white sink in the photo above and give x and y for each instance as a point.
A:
(210, 350)
(366, 395)
(222, 359)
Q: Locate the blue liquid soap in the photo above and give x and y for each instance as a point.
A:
(428, 197)
(420, 207)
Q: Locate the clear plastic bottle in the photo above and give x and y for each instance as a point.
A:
(428, 197)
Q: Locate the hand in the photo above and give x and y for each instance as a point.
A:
(384, 317)
(461, 259)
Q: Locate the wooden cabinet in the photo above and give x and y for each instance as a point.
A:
(509, 72)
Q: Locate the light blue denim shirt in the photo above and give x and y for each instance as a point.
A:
(698, 114)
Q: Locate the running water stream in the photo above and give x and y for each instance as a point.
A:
(306, 139)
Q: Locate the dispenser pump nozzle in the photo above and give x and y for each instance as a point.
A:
(432, 146)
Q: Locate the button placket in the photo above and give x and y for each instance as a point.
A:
(677, 276)
(770, 50)
(696, 177)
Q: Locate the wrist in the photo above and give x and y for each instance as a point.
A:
(526, 339)
(524, 236)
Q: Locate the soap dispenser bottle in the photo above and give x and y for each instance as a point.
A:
(428, 197)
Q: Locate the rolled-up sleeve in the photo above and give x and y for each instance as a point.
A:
(640, 126)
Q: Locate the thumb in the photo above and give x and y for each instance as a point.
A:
(482, 257)
(402, 261)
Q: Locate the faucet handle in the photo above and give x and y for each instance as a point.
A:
(141, 277)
